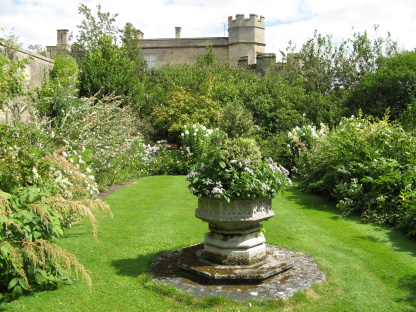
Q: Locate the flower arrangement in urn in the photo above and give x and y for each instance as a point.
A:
(234, 169)
(234, 188)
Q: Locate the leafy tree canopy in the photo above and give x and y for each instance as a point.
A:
(92, 28)
(108, 70)
(392, 87)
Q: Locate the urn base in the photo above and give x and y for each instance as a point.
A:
(234, 237)
(242, 249)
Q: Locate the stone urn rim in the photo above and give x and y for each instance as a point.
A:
(215, 209)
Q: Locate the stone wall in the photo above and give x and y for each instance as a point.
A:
(245, 38)
(35, 73)
(183, 50)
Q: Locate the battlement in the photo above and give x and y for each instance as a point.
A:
(241, 21)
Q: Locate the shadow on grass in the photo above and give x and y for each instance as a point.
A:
(306, 200)
(370, 238)
(136, 266)
(408, 283)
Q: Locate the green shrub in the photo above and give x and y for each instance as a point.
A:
(107, 135)
(183, 108)
(243, 150)
(42, 191)
(368, 166)
(58, 95)
(163, 159)
(235, 120)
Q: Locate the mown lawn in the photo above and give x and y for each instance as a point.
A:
(368, 268)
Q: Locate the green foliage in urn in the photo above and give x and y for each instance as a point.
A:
(235, 170)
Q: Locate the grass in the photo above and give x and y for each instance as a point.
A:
(368, 268)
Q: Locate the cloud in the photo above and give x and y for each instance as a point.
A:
(296, 20)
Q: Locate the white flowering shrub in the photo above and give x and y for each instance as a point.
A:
(368, 166)
(216, 175)
(106, 137)
(196, 139)
(162, 158)
(43, 189)
(302, 138)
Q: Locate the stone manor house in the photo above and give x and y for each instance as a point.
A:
(244, 46)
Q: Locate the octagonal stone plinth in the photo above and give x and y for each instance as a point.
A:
(234, 237)
(203, 271)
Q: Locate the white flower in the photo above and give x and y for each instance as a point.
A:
(249, 170)
(217, 190)
(35, 173)
(191, 174)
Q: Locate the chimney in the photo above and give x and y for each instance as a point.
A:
(139, 35)
(178, 32)
(62, 38)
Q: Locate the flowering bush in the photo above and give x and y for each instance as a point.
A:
(107, 135)
(217, 175)
(43, 189)
(368, 166)
(196, 140)
(162, 158)
(302, 138)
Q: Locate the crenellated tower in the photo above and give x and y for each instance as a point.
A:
(245, 37)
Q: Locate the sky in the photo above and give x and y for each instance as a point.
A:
(36, 21)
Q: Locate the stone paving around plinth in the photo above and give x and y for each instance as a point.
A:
(303, 274)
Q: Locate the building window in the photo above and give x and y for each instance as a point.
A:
(150, 60)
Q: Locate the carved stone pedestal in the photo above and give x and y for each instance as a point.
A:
(234, 237)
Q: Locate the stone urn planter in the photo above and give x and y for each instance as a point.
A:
(234, 237)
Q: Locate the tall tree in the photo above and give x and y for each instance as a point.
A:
(392, 88)
(323, 66)
(92, 28)
(108, 70)
(130, 44)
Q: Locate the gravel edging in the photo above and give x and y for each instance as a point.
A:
(113, 188)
